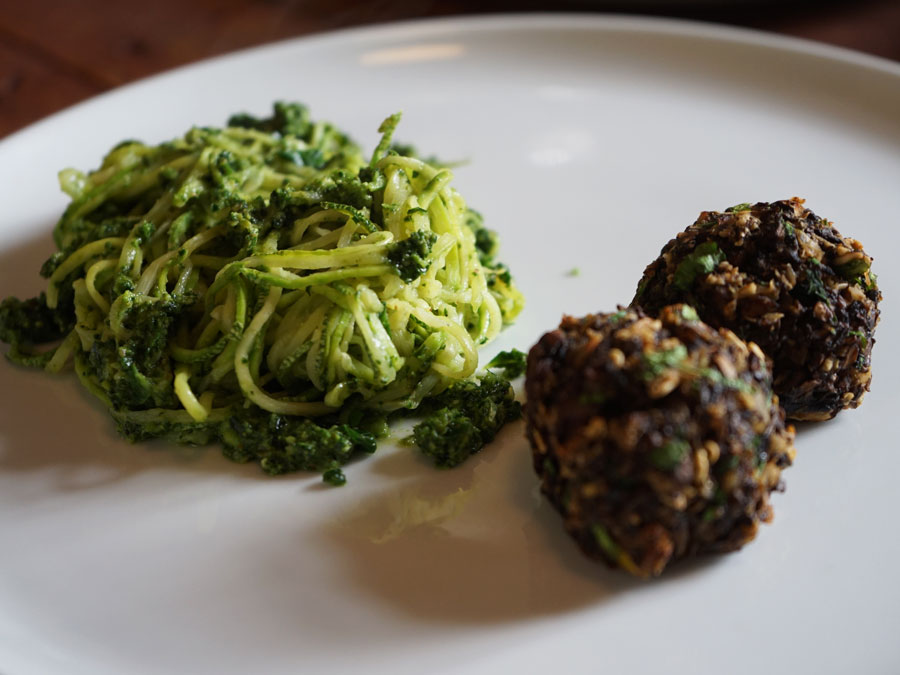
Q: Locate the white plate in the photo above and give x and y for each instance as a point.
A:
(591, 141)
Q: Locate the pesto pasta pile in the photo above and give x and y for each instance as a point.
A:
(253, 277)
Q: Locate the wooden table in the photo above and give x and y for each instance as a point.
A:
(54, 53)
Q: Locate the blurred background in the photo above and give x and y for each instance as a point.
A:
(54, 53)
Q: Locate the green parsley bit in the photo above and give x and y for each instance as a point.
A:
(863, 340)
(688, 313)
(813, 284)
(853, 269)
(613, 551)
(670, 455)
(739, 207)
(700, 262)
(656, 363)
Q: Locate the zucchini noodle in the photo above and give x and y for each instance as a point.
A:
(268, 264)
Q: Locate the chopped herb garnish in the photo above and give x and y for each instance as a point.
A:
(813, 283)
(701, 261)
(715, 376)
(759, 447)
(656, 363)
(606, 543)
(668, 456)
(739, 207)
(688, 313)
(709, 514)
(728, 463)
(863, 340)
(854, 268)
(788, 229)
(594, 398)
(549, 467)
(613, 551)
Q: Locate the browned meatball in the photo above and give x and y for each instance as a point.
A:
(784, 278)
(655, 438)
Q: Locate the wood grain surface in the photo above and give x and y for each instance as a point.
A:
(54, 53)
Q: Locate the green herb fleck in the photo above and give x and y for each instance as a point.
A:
(669, 455)
(549, 467)
(854, 268)
(739, 207)
(606, 543)
(701, 261)
(657, 363)
(788, 229)
(727, 463)
(863, 340)
(813, 283)
(688, 313)
(717, 377)
(759, 447)
(863, 343)
(593, 398)
(574, 272)
(709, 514)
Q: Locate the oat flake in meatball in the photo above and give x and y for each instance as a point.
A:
(782, 277)
(655, 438)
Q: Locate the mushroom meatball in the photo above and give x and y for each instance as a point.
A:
(655, 438)
(786, 279)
